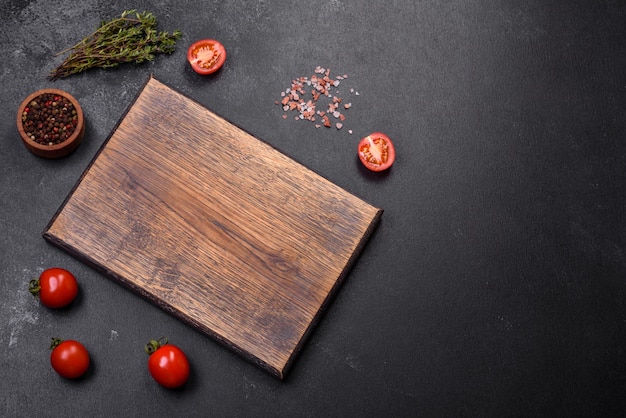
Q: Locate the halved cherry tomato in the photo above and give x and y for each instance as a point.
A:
(168, 364)
(56, 287)
(376, 151)
(206, 56)
(69, 358)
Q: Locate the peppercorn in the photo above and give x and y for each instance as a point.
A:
(49, 119)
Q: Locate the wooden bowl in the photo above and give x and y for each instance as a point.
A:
(52, 150)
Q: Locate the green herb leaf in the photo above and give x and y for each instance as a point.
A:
(133, 37)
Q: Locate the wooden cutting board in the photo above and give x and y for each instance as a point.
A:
(214, 226)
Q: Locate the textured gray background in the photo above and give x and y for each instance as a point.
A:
(495, 283)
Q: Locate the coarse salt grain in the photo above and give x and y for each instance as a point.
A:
(320, 83)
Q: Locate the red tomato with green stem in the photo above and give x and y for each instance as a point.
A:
(56, 287)
(168, 364)
(376, 151)
(69, 358)
(206, 56)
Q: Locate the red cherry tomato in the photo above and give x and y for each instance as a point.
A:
(206, 56)
(69, 358)
(376, 151)
(56, 287)
(168, 364)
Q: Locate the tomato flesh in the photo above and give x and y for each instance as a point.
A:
(206, 56)
(169, 366)
(376, 151)
(56, 287)
(69, 358)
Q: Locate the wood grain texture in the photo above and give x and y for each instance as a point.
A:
(214, 226)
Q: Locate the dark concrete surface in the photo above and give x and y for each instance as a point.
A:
(495, 284)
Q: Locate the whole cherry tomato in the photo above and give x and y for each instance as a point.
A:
(376, 151)
(56, 287)
(69, 358)
(206, 56)
(167, 363)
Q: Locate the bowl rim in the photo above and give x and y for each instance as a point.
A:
(43, 149)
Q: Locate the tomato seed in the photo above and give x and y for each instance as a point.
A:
(206, 56)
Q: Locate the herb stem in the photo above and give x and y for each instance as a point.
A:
(130, 38)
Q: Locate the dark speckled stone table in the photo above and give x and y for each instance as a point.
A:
(495, 284)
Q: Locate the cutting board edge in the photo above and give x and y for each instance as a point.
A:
(204, 330)
(335, 289)
(96, 155)
(279, 373)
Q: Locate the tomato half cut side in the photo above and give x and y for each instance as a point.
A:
(206, 56)
(376, 151)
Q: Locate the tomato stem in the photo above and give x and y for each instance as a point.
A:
(34, 287)
(55, 343)
(154, 345)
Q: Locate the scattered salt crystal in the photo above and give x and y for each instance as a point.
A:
(318, 84)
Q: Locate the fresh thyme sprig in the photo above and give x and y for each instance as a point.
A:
(133, 37)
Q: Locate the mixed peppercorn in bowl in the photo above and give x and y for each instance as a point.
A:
(51, 123)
